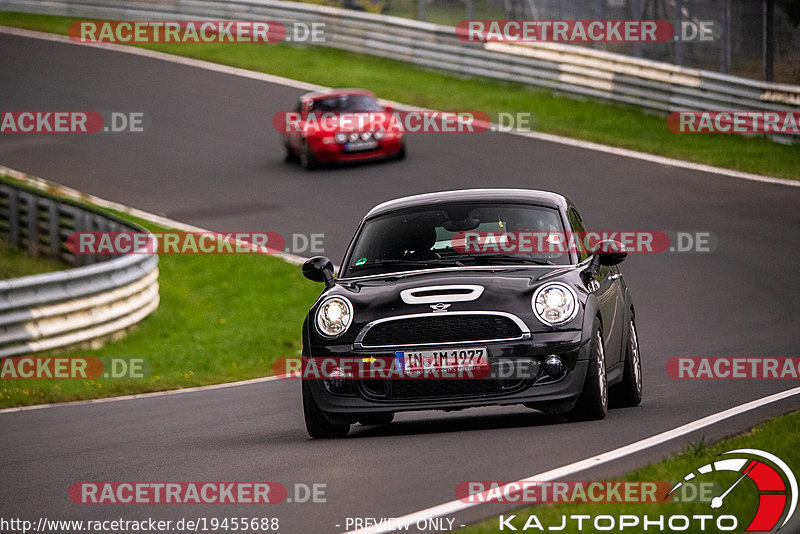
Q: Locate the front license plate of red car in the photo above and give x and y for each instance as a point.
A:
(461, 358)
(355, 146)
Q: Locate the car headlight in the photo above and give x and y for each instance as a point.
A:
(341, 138)
(334, 316)
(554, 304)
(378, 135)
(354, 136)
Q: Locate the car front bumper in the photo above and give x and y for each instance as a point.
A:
(334, 152)
(550, 394)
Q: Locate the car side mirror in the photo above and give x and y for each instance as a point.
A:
(388, 109)
(606, 254)
(611, 252)
(319, 269)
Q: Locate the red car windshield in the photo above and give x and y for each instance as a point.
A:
(347, 103)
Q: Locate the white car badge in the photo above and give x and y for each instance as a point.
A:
(441, 307)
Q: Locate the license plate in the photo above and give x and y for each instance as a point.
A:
(354, 146)
(461, 358)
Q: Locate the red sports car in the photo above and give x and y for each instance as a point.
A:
(341, 125)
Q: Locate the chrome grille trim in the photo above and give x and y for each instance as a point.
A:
(358, 343)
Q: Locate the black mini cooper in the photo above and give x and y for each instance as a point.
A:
(478, 297)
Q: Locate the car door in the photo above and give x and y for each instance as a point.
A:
(607, 288)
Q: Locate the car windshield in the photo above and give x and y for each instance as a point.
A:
(457, 235)
(347, 103)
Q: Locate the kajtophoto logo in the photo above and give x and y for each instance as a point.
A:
(770, 477)
(741, 474)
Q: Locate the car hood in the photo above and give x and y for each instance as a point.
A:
(496, 289)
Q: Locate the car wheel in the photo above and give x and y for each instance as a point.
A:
(629, 392)
(307, 160)
(317, 424)
(383, 418)
(593, 401)
(288, 155)
(402, 154)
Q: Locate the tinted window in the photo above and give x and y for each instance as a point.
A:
(439, 236)
(347, 103)
(576, 223)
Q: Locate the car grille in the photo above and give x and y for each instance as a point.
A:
(441, 328)
(437, 388)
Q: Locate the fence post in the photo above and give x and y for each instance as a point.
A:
(769, 38)
(55, 229)
(13, 217)
(33, 220)
(678, 44)
(725, 49)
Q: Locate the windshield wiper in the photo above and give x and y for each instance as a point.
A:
(506, 258)
(414, 263)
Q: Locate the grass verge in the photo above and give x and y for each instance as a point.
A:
(619, 126)
(221, 318)
(778, 436)
(15, 263)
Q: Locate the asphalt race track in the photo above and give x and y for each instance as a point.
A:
(211, 158)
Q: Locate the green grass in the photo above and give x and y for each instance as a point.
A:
(15, 263)
(778, 436)
(221, 318)
(395, 80)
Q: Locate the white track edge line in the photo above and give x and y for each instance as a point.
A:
(279, 80)
(103, 400)
(587, 463)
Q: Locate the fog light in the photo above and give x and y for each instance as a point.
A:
(337, 380)
(553, 365)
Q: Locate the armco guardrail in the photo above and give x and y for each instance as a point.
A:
(575, 71)
(103, 295)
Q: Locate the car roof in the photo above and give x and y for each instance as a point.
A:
(524, 196)
(327, 93)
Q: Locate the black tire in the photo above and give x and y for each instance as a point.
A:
(307, 160)
(288, 155)
(383, 418)
(317, 425)
(628, 393)
(402, 154)
(593, 401)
